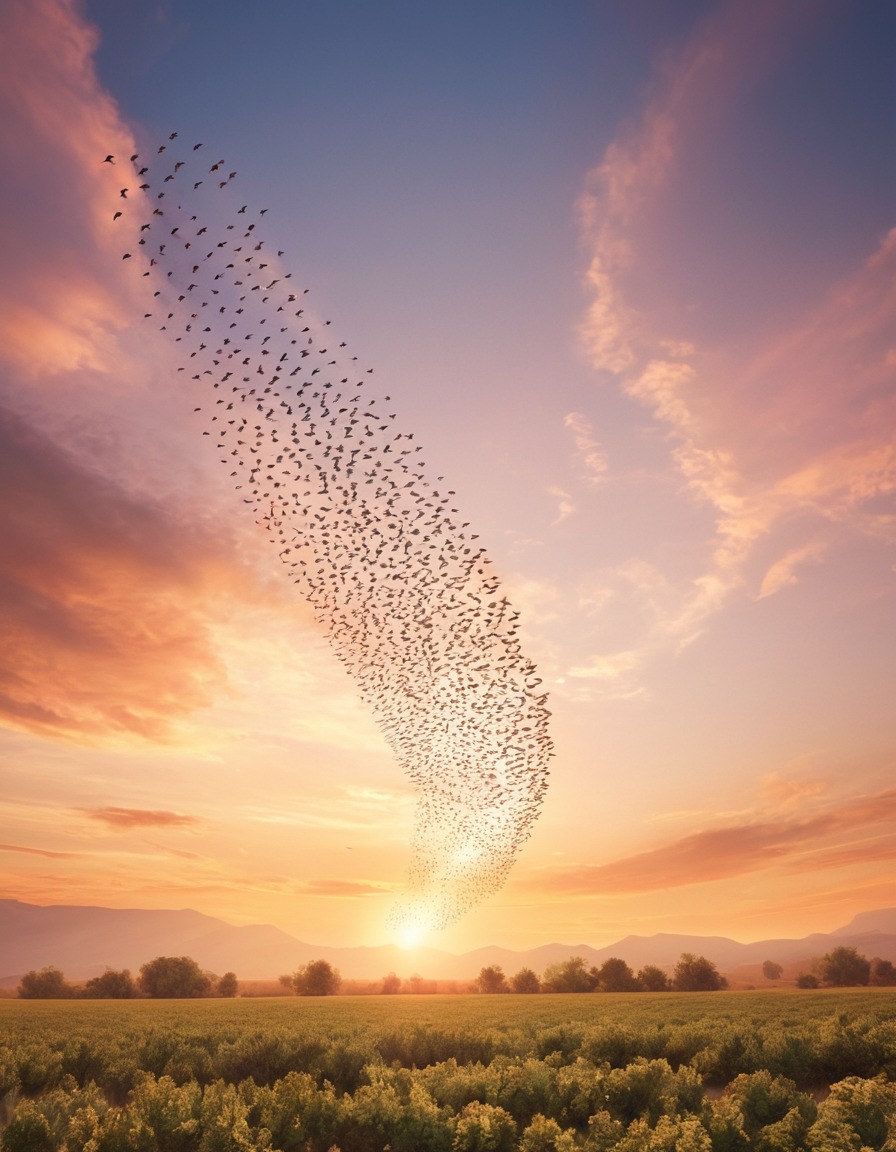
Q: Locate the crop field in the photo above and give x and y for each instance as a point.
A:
(713, 1072)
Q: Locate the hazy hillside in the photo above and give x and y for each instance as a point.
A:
(82, 941)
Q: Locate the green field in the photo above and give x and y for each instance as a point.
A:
(711, 1071)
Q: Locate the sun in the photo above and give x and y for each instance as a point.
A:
(409, 936)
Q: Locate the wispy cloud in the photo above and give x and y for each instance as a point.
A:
(37, 852)
(787, 440)
(343, 888)
(139, 818)
(721, 853)
(590, 455)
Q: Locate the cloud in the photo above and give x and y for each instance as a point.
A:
(722, 853)
(38, 852)
(587, 446)
(139, 818)
(342, 888)
(63, 293)
(104, 611)
(785, 434)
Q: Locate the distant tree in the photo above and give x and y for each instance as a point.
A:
(525, 981)
(228, 985)
(568, 976)
(883, 974)
(492, 979)
(806, 980)
(391, 984)
(845, 968)
(771, 970)
(653, 979)
(174, 978)
(47, 984)
(288, 982)
(696, 974)
(111, 985)
(614, 975)
(415, 983)
(317, 978)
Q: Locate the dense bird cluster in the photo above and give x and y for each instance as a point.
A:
(407, 596)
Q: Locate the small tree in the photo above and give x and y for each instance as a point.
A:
(317, 978)
(653, 979)
(806, 980)
(614, 975)
(525, 981)
(288, 982)
(492, 979)
(771, 970)
(111, 985)
(845, 968)
(47, 984)
(391, 984)
(174, 978)
(228, 985)
(883, 974)
(568, 976)
(696, 974)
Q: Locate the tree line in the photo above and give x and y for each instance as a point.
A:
(180, 977)
(165, 977)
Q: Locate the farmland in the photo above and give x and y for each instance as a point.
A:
(715, 1071)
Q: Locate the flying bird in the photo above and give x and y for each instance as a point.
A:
(398, 582)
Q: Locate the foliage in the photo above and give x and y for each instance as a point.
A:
(653, 979)
(568, 976)
(806, 980)
(696, 974)
(614, 975)
(317, 978)
(845, 968)
(47, 984)
(607, 1073)
(173, 978)
(525, 982)
(228, 985)
(771, 970)
(391, 984)
(111, 985)
(492, 979)
(883, 973)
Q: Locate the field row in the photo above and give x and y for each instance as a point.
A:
(714, 1073)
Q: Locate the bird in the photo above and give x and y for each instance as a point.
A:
(110, 159)
(398, 582)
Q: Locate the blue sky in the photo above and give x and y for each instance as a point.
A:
(626, 271)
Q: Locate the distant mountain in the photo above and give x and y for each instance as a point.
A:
(83, 941)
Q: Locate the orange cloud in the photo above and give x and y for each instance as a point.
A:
(38, 852)
(342, 888)
(139, 818)
(104, 617)
(63, 289)
(721, 853)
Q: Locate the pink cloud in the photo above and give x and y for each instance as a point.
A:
(722, 853)
(139, 818)
(38, 852)
(342, 888)
(776, 426)
(61, 282)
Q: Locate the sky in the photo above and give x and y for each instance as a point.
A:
(626, 270)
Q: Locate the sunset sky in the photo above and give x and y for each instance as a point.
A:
(628, 271)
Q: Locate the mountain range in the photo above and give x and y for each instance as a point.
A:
(83, 941)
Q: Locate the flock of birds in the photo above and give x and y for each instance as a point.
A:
(406, 595)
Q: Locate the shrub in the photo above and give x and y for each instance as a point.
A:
(47, 984)
(525, 981)
(845, 968)
(696, 974)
